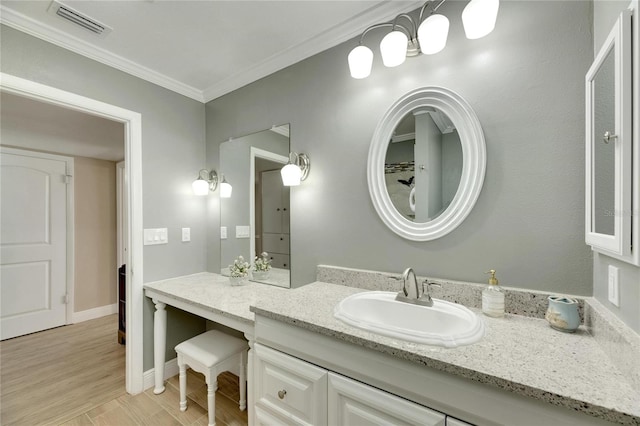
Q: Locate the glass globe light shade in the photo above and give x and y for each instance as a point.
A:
(360, 62)
(432, 34)
(225, 189)
(291, 175)
(393, 48)
(200, 187)
(479, 17)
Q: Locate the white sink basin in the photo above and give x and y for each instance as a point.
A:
(444, 324)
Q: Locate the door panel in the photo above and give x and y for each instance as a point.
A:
(33, 246)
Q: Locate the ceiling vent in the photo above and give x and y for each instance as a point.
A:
(79, 19)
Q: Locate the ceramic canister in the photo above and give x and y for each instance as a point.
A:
(562, 313)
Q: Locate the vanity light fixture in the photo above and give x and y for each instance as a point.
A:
(296, 170)
(202, 185)
(225, 188)
(429, 36)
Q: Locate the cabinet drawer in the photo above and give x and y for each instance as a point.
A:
(353, 403)
(279, 260)
(289, 387)
(277, 243)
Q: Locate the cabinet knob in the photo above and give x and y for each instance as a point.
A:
(608, 136)
(282, 393)
(285, 209)
(281, 238)
(278, 209)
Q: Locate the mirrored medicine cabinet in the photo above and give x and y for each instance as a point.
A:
(609, 191)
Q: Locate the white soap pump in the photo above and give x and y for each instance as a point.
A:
(493, 297)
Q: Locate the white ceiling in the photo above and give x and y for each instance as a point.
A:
(203, 49)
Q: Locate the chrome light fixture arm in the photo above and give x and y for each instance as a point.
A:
(211, 177)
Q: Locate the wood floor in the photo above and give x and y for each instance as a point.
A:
(75, 375)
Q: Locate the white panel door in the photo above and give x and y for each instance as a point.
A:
(33, 243)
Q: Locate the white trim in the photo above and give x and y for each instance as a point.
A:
(133, 155)
(473, 169)
(52, 35)
(70, 219)
(268, 155)
(170, 369)
(381, 12)
(89, 314)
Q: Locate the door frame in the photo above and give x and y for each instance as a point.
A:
(133, 156)
(267, 155)
(69, 218)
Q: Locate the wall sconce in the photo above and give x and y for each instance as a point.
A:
(428, 37)
(202, 185)
(296, 170)
(225, 188)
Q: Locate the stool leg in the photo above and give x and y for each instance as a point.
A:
(183, 384)
(243, 381)
(211, 400)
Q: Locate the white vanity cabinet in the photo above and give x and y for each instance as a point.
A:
(328, 380)
(292, 391)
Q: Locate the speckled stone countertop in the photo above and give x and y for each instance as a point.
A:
(519, 354)
(214, 293)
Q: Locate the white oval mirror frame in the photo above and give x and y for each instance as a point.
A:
(473, 167)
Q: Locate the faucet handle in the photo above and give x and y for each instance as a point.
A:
(429, 284)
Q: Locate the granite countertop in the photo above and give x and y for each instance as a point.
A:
(519, 354)
(213, 292)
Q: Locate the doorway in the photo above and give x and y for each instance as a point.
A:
(133, 159)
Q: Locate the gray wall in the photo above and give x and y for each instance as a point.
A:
(605, 15)
(172, 151)
(525, 82)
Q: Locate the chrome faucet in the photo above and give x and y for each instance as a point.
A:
(421, 297)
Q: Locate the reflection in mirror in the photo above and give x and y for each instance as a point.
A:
(256, 217)
(423, 164)
(603, 189)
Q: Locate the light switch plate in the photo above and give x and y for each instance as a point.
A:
(614, 285)
(155, 236)
(243, 231)
(223, 232)
(186, 234)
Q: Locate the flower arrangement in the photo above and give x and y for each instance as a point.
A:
(262, 263)
(240, 268)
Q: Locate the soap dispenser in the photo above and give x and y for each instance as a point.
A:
(493, 297)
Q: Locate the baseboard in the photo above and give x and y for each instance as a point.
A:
(170, 370)
(89, 314)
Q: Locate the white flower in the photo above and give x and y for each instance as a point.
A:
(262, 263)
(240, 268)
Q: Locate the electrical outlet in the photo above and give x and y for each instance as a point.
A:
(186, 234)
(223, 232)
(614, 285)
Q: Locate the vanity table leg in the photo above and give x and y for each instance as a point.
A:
(250, 395)
(159, 345)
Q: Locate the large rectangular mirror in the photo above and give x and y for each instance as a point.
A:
(255, 219)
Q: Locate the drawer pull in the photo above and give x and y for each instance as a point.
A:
(282, 393)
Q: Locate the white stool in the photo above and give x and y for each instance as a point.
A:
(212, 353)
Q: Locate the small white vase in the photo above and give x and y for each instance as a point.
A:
(238, 281)
(260, 275)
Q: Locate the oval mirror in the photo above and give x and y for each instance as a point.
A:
(426, 164)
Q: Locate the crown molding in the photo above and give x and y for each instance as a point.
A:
(340, 33)
(52, 35)
(382, 12)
